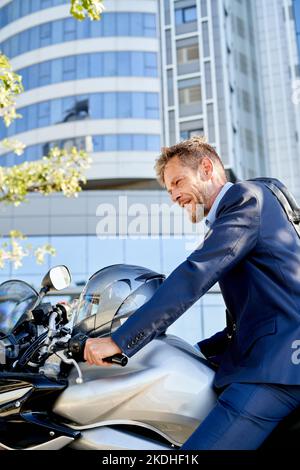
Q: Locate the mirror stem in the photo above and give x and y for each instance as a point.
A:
(42, 293)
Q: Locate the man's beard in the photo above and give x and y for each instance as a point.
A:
(196, 213)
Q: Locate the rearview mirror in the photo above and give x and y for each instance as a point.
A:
(57, 278)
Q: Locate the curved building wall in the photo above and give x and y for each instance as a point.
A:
(95, 84)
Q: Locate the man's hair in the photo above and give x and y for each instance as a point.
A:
(190, 152)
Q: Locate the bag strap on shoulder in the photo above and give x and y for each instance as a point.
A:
(285, 198)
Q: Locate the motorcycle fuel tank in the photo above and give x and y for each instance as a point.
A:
(166, 387)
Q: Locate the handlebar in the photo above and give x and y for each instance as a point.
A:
(76, 348)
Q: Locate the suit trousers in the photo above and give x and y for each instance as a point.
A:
(244, 416)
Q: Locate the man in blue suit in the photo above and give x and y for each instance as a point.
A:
(253, 251)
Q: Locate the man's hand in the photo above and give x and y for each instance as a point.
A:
(97, 349)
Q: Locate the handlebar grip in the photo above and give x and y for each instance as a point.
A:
(119, 359)
(77, 345)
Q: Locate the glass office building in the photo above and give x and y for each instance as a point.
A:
(229, 70)
(276, 24)
(296, 5)
(210, 74)
(95, 84)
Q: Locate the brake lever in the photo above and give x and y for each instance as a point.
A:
(71, 361)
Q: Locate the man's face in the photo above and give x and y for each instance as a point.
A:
(188, 188)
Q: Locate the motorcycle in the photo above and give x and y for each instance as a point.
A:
(51, 399)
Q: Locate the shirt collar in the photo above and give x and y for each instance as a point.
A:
(211, 216)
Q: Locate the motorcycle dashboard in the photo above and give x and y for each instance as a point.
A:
(16, 300)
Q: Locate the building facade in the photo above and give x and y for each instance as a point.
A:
(230, 68)
(210, 75)
(150, 73)
(96, 85)
(277, 22)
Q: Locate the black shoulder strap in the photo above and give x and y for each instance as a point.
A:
(285, 198)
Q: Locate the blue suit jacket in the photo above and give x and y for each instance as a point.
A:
(253, 251)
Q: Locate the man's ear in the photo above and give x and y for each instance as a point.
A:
(206, 168)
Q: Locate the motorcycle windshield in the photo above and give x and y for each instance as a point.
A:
(16, 300)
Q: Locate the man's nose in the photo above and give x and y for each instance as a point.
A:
(175, 196)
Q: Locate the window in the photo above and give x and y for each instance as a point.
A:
(137, 64)
(243, 63)
(58, 31)
(24, 8)
(188, 54)
(240, 27)
(123, 24)
(55, 32)
(109, 64)
(109, 26)
(34, 38)
(69, 29)
(185, 135)
(69, 68)
(153, 142)
(82, 64)
(96, 65)
(104, 252)
(124, 142)
(211, 123)
(15, 45)
(167, 11)
(124, 105)
(45, 3)
(18, 8)
(100, 143)
(84, 29)
(170, 78)
(109, 143)
(45, 34)
(44, 73)
(43, 113)
(152, 106)
(123, 65)
(205, 34)
(150, 66)
(22, 123)
(208, 80)
(185, 15)
(139, 142)
(95, 106)
(203, 8)
(66, 247)
(138, 105)
(24, 42)
(246, 101)
(136, 24)
(249, 140)
(190, 95)
(169, 47)
(149, 25)
(110, 105)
